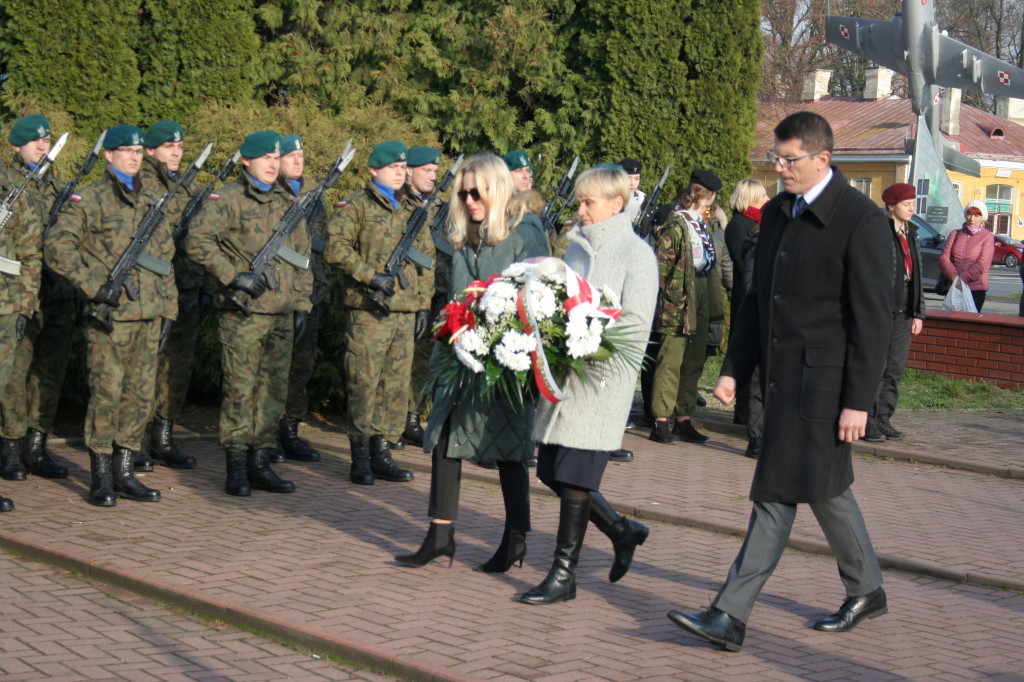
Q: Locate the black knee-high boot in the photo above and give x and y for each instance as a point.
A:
(560, 583)
(624, 533)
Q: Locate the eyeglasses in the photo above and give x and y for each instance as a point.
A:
(130, 152)
(786, 161)
(465, 193)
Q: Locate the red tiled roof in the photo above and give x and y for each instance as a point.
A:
(880, 127)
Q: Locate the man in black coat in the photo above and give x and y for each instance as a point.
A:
(817, 319)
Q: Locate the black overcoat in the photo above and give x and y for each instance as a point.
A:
(818, 320)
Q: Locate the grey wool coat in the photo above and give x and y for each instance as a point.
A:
(594, 413)
(480, 430)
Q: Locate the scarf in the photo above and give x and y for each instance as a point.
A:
(753, 213)
(973, 230)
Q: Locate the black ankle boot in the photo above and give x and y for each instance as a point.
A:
(361, 473)
(511, 550)
(163, 449)
(125, 483)
(560, 583)
(37, 460)
(294, 447)
(382, 464)
(262, 477)
(10, 460)
(101, 492)
(440, 541)
(662, 433)
(237, 482)
(413, 433)
(6, 505)
(624, 533)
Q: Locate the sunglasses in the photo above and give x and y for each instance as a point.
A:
(465, 193)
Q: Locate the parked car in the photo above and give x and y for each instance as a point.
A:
(1009, 251)
(929, 248)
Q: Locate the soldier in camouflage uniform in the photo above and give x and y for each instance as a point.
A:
(293, 163)
(41, 347)
(256, 348)
(361, 235)
(92, 232)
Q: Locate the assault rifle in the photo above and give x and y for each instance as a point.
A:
(84, 169)
(395, 267)
(562, 198)
(198, 200)
(135, 254)
(642, 223)
(437, 230)
(316, 204)
(275, 246)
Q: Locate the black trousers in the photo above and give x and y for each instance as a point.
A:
(895, 364)
(749, 409)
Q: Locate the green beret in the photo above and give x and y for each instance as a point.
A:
(25, 130)
(387, 153)
(122, 136)
(163, 131)
(290, 143)
(260, 143)
(610, 166)
(516, 160)
(421, 156)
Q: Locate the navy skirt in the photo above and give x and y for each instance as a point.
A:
(559, 465)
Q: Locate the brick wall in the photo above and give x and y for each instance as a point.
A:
(973, 346)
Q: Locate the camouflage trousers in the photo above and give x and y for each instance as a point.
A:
(680, 363)
(256, 353)
(174, 366)
(378, 364)
(49, 363)
(122, 381)
(14, 398)
(8, 346)
(303, 362)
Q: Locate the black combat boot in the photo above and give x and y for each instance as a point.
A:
(238, 478)
(294, 447)
(382, 464)
(101, 492)
(361, 472)
(37, 460)
(125, 483)
(662, 433)
(560, 583)
(624, 533)
(262, 477)
(143, 462)
(163, 448)
(440, 541)
(10, 460)
(413, 433)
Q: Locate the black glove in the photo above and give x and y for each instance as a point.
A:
(165, 333)
(109, 294)
(19, 327)
(383, 283)
(205, 304)
(249, 283)
(300, 318)
(422, 324)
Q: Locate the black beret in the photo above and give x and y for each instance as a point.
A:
(706, 178)
(631, 166)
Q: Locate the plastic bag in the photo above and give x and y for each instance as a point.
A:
(959, 297)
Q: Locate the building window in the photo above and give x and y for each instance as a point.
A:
(958, 187)
(862, 184)
(999, 201)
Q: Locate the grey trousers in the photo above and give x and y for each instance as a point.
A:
(770, 524)
(888, 395)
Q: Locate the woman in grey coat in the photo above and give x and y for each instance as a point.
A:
(489, 231)
(577, 434)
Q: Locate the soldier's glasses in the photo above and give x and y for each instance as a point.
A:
(130, 152)
(465, 193)
(786, 161)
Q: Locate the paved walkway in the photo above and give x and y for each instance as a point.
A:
(315, 567)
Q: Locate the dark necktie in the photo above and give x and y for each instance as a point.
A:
(799, 205)
(908, 263)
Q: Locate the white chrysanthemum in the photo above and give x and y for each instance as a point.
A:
(499, 301)
(519, 271)
(583, 337)
(513, 351)
(544, 302)
(467, 359)
(471, 341)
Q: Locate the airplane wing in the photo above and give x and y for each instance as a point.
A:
(880, 40)
(962, 66)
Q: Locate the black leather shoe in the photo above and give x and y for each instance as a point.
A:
(701, 401)
(6, 505)
(662, 433)
(713, 625)
(853, 611)
(890, 433)
(621, 455)
(685, 430)
(753, 448)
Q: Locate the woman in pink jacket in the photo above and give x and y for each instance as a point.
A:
(968, 252)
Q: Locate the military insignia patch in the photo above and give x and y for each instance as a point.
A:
(214, 197)
(177, 136)
(42, 131)
(75, 197)
(340, 204)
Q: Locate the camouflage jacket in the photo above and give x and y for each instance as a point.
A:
(41, 195)
(361, 234)
(94, 229)
(228, 233)
(21, 240)
(441, 267)
(318, 239)
(188, 275)
(674, 314)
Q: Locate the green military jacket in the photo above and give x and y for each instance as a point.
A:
(361, 234)
(674, 314)
(228, 233)
(188, 275)
(94, 229)
(318, 236)
(440, 264)
(21, 240)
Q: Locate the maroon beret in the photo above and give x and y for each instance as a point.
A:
(894, 194)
